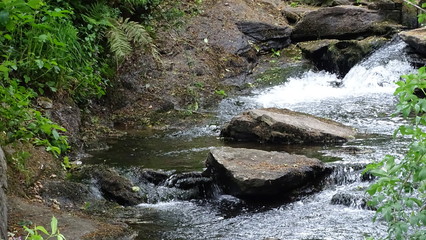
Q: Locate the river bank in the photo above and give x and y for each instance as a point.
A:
(225, 51)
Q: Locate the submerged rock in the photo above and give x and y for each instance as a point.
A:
(284, 126)
(249, 173)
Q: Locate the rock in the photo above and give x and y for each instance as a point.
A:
(249, 173)
(339, 56)
(3, 199)
(350, 200)
(416, 38)
(189, 180)
(275, 125)
(67, 193)
(112, 186)
(341, 22)
(266, 36)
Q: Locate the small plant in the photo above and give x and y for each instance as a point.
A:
(221, 93)
(275, 53)
(37, 232)
(294, 4)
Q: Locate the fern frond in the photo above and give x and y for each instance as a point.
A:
(98, 13)
(119, 43)
(135, 32)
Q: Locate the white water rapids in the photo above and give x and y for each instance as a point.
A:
(363, 100)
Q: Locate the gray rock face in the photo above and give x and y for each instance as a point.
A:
(284, 126)
(266, 36)
(249, 173)
(3, 200)
(416, 39)
(341, 22)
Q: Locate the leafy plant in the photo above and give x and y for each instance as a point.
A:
(400, 191)
(21, 122)
(37, 232)
(275, 53)
(221, 93)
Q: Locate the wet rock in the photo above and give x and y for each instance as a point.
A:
(112, 186)
(3, 199)
(341, 22)
(152, 176)
(249, 173)
(266, 36)
(350, 200)
(68, 194)
(189, 180)
(416, 39)
(343, 174)
(339, 56)
(274, 125)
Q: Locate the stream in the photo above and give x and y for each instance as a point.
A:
(363, 100)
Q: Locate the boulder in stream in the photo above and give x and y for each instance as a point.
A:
(339, 56)
(111, 185)
(416, 38)
(250, 173)
(284, 126)
(341, 22)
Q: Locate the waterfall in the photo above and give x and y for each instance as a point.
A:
(375, 74)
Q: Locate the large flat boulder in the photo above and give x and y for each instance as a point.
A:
(341, 22)
(250, 173)
(416, 38)
(284, 126)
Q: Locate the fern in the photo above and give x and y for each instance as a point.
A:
(136, 32)
(119, 43)
(127, 32)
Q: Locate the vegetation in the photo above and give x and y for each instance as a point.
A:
(63, 48)
(399, 193)
(37, 231)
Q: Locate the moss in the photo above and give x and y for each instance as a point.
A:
(277, 75)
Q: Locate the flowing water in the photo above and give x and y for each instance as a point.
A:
(363, 100)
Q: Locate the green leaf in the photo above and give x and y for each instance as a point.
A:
(35, 4)
(55, 134)
(379, 173)
(4, 17)
(54, 225)
(422, 174)
(8, 37)
(43, 37)
(41, 228)
(39, 63)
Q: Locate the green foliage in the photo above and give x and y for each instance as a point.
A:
(21, 122)
(125, 33)
(64, 47)
(400, 191)
(37, 232)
